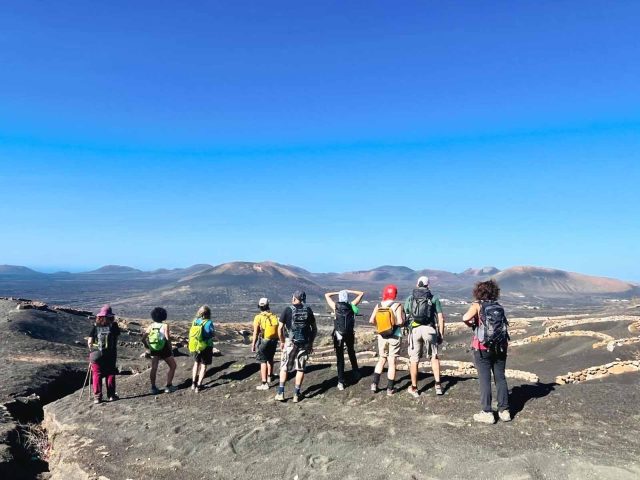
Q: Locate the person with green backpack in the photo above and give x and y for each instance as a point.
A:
(201, 346)
(158, 342)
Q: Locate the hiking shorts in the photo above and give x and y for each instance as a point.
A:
(166, 351)
(424, 335)
(266, 350)
(294, 357)
(205, 356)
(389, 346)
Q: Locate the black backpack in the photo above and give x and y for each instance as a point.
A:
(345, 318)
(422, 307)
(492, 328)
(300, 329)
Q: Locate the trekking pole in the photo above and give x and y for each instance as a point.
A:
(85, 381)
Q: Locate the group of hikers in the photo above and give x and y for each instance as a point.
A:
(420, 318)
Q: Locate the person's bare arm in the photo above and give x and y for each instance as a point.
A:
(166, 332)
(358, 295)
(281, 334)
(372, 318)
(256, 330)
(441, 323)
(469, 317)
(330, 301)
(399, 314)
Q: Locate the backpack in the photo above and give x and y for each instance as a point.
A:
(385, 320)
(156, 339)
(345, 318)
(197, 340)
(492, 327)
(300, 329)
(268, 325)
(102, 338)
(422, 307)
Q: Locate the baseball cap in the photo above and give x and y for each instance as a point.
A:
(423, 281)
(263, 302)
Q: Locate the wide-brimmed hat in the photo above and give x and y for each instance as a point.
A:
(105, 311)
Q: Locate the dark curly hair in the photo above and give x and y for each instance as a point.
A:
(158, 314)
(488, 290)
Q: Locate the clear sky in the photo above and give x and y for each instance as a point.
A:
(329, 135)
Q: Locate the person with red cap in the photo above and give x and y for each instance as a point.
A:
(388, 343)
(102, 342)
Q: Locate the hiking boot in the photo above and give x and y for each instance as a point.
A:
(340, 386)
(279, 397)
(97, 400)
(374, 388)
(485, 417)
(171, 389)
(439, 389)
(263, 386)
(413, 391)
(114, 398)
(505, 415)
(155, 390)
(297, 398)
(391, 392)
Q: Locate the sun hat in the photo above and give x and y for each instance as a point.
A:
(105, 311)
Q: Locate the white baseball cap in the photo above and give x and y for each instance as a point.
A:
(423, 281)
(263, 302)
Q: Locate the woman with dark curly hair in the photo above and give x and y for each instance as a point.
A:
(489, 354)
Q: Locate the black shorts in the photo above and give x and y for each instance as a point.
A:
(166, 351)
(205, 356)
(266, 350)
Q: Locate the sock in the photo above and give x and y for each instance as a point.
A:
(390, 384)
(281, 388)
(297, 390)
(376, 378)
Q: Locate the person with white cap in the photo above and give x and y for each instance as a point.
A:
(343, 330)
(265, 341)
(426, 325)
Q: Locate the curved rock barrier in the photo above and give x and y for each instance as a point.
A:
(611, 346)
(555, 325)
(603, 337)
(599, 371)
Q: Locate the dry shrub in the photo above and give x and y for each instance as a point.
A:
(34, 439)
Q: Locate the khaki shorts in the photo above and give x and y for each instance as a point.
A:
(294, 357)
(421, 336)
(389, 347)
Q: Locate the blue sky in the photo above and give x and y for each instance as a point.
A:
(332, 135)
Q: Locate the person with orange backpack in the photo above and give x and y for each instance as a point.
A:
(388, 317)
(265, 341)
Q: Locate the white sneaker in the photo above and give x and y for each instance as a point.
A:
(279, 397)
(485, 417)
(505, 416)
(340, 386)
(263, 386)
(413, 391)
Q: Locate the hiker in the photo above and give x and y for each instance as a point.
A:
(422, 309)
(343, 330)
(265, 341)
(158, 342)
(388, 316)
(489, 344)
(201, 346)
(297, 331)
(102, 343)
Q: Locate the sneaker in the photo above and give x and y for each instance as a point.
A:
(197, 389)
(297, 398)
(193, 386)
(391, 392)
(171, 389)
(114, 398)
(155, 390)
(485, 417)
(439, 389)
(263, 386)
(97, 400)
(505, 415)
(413, 391)
(340, 386)
(374, 388)
(279, 397)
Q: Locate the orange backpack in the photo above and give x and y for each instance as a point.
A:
(385, 320)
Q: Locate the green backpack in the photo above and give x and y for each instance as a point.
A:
(196, 341)
(156, 339)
